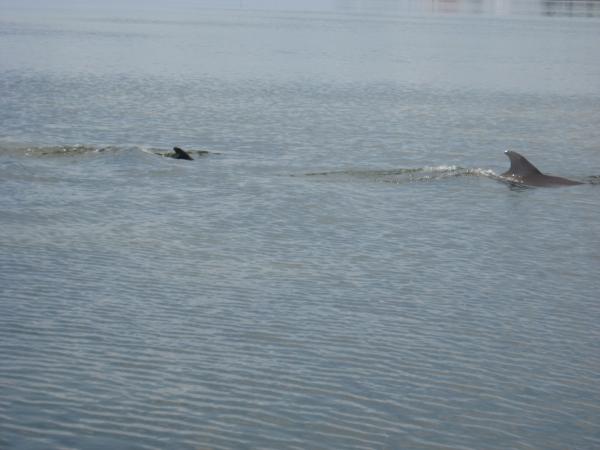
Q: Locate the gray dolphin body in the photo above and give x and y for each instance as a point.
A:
(523, 172)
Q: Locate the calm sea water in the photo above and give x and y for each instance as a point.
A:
(342, 270)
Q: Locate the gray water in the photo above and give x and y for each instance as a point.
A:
(343, 269)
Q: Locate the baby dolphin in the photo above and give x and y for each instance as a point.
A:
(181, 154)
(523, 172)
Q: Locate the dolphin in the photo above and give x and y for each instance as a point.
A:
(181, 154)
(523, 172)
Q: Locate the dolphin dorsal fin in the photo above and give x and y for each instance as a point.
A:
(181, 154)
(519, 166)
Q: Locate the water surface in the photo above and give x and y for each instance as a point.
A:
(342, 270)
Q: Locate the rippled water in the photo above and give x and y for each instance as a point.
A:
(342, 269)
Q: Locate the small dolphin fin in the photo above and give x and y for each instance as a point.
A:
(181, 154)
(519, 166)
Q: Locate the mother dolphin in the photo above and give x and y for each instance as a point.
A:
(523, 172)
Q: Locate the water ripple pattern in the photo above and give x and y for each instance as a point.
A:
(156, 303)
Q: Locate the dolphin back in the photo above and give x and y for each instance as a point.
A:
(523, 172)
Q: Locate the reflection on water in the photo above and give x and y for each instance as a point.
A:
(590, 8)
(571, 7)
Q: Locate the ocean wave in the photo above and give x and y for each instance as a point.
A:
(407, 175)
(54, 150)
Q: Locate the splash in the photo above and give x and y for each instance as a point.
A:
(593, 179)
